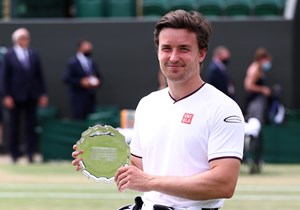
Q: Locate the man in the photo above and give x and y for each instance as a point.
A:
(217, 71)
(187, 143)
(83, 79)
(23, 89)
(258, 94)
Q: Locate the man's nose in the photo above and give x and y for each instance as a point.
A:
(174, 56)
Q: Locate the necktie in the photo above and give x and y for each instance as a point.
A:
(26, 59)
(88, 67)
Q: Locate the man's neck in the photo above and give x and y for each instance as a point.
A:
(179, 90)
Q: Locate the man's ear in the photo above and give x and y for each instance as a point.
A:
(202, 55)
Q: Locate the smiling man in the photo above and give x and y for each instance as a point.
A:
(187, 145)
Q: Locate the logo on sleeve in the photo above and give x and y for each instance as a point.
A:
(233, 119)
(187, 118)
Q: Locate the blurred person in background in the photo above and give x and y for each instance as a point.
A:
(3, 50)
(257, 96)
(83, 79)
(218, 73)
(24, 89)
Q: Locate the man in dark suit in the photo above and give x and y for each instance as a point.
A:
(83, 79)
(23, 89)
(217, 71)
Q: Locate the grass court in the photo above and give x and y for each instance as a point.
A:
(57, 186)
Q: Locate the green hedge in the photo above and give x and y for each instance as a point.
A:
(282, 142)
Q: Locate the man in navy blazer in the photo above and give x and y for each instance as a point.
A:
(23, 90)
(217, 71)
(83, 79)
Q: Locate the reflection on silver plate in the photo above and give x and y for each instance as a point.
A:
(104, 151)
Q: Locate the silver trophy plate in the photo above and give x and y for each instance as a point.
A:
(104, 151)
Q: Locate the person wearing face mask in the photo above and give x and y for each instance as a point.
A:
(257, 96)
(217, 71)
(83, 79)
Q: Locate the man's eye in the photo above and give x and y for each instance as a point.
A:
(165, 48)
(184, 49)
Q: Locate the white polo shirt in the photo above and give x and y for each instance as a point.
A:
(180, 138)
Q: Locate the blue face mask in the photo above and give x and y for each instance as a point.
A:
(267, 66)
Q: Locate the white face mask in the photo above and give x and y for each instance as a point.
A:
(267, 66)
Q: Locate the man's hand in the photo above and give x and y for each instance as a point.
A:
(85, 82)
(76, 160)
(43, 101)
(8, 102)
(94, 81)
(130, 177)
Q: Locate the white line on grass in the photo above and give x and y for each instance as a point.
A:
(267, 188)
(39, 195)
(105, 186)
(118, 196)
(266, 197)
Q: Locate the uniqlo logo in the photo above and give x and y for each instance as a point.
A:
(187, 118)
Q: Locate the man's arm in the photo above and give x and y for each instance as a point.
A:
(218, 182)
(6, 75)
(71, 74)
(7, 70)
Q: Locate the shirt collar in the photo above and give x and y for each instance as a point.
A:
(83, 60)
(81, 57)
(20, 52)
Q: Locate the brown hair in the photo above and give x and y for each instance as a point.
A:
(261, 53)
(192, 21)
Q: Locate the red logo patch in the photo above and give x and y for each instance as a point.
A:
(187, 118)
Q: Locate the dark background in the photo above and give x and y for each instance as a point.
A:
(126, 54)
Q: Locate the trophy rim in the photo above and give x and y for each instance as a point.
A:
(82, 165)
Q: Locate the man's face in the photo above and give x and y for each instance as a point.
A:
(225, 57)
(86, 47)
(24, 40)
(179, 55)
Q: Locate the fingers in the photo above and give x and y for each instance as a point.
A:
(118, 177)
(121, 170)
(121, 178)
(76, 160)
(122, 185)
(75, 147)
(76, 153)
(78, 168)
(76, 163)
